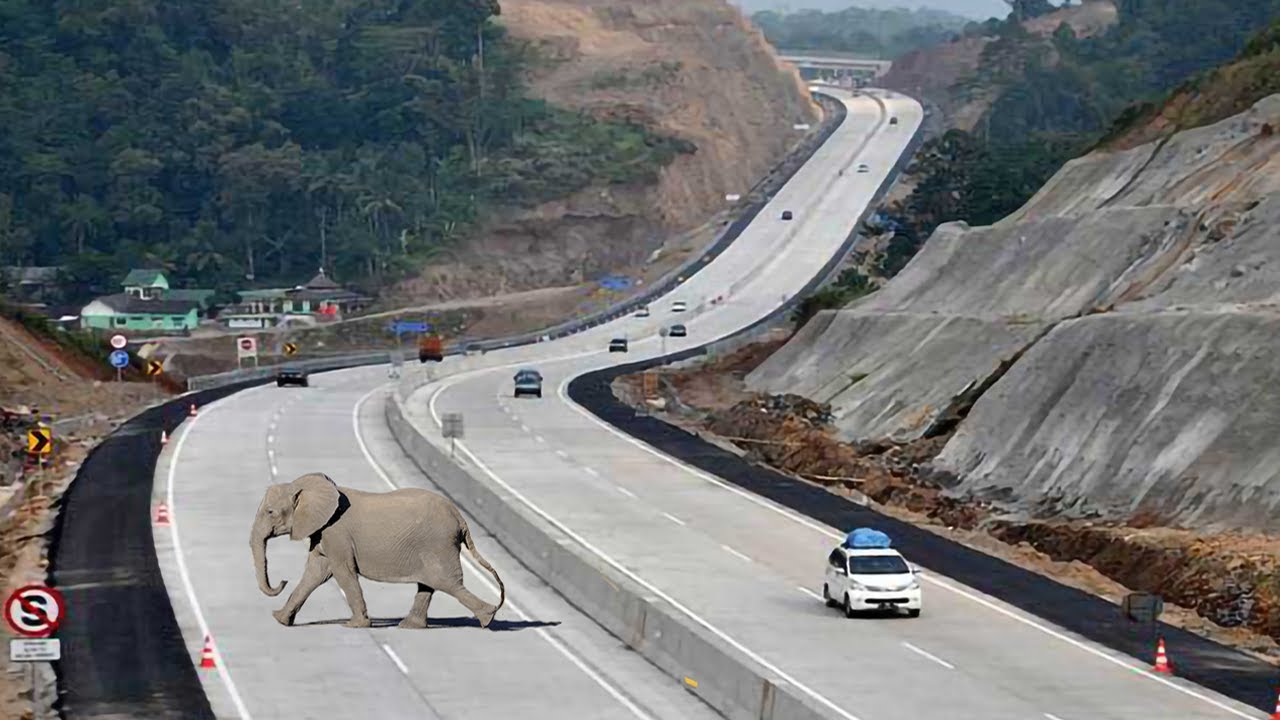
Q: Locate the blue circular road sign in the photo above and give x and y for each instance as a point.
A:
(119, 358)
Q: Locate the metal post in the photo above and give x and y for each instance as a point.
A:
(119, 374)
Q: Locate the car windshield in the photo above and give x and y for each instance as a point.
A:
(877, 565)
(528, 376)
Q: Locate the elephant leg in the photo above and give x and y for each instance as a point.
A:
(314, 574)
(350, 584)
(417, 617)
(483, 611)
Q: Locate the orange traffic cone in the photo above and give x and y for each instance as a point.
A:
(193, 410)
(1276, 715)
(164, 437)
(162, 514)
(206, 655)
(1162, 659)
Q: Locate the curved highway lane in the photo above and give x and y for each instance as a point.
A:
(540, 659)
(749, 570)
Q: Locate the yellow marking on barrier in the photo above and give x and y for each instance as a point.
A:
(691, 682)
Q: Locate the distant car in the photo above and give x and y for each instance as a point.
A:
(292, 376)
(643, 311)
(786, 215)
(893, 120)
(863, 168)
(679, 306)
(876, 577)
(678, 331)
(618, 345)
(528, 382)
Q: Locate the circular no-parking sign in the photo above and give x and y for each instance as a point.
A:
(119, 341)
(34, 610)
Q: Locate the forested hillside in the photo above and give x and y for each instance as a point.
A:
(1057, 96)
(240, 141)
(867, 32)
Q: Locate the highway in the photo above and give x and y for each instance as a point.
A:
(744, 568)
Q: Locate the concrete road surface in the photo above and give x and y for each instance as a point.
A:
(743, 566)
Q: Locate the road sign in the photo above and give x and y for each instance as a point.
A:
(451, 424)
(118, 341)
(154, 367)
(1142, 607)
(119, 359)
(290, 349)
(35, 649)
(408, 326)
(247, 347)
(40, 441)
(34, 610)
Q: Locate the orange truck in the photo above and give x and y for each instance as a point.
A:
(430, 347)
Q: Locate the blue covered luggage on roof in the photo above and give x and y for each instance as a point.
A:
(866, 538)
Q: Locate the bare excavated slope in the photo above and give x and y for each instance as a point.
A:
(694, 69)
(1118, 334)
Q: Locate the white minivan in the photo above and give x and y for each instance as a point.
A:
(864, 579)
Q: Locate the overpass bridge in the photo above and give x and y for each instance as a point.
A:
(836, 68)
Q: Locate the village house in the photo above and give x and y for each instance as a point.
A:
(320, 300)
(148, 303)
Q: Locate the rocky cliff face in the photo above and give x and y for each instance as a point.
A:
(694, 69)
(1109, 349)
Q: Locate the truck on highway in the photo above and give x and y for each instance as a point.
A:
(430, 347)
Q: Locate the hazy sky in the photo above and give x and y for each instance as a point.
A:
(975, 8)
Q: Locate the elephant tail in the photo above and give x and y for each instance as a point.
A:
(471, 546)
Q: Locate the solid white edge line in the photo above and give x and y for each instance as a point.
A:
(484, 579)
(731, 551)
(562, 454)
(809, 592)
(928, 655)
(395, 658)
(591, 471)
(1051, 716)
(800, 520)
(625, 491)
(175, 518)
(673, 518)
(751, 654)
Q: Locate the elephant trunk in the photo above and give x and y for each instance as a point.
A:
(258, 542)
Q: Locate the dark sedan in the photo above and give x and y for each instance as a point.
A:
(291, 376)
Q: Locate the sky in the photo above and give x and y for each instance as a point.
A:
(980, 9)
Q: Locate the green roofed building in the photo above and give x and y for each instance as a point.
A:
(148, 303)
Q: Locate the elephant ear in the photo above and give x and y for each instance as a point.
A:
(315, 500)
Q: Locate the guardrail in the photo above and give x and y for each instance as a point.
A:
(337, 362)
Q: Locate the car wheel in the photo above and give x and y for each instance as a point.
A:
(913, 613)
(279, 384)
(848, 607)
(826, 597)
(306, 383)
(539, 394)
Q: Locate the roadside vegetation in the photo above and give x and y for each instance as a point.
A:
(233, 143)
(865, 32)
(1057, 97)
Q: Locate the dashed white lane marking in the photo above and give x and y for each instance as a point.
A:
(562, 454)
(395, 658)
(524, 427)
(626, 492)
(673, 518)
(271, 454)
(930, 656)
(731, 551)
(271, 439)
(274, 470)
(539, 438)
(810, 593)
(591, 471)
(484, 580)
(1051, 716)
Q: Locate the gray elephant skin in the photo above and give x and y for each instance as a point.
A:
(403, 536)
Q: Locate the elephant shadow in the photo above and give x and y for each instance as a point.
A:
(449, 622)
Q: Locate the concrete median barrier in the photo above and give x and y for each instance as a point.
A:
(724, 677)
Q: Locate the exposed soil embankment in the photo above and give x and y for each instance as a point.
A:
(692, 69)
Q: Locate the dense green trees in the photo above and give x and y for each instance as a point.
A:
(1056, 97)
(241, 141)
(872, 33)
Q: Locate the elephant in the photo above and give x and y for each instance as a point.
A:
(408, 535)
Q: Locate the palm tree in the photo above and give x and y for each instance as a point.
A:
(81, 218)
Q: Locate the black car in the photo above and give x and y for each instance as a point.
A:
(618, 345)
(291, 376)
(786, 214)
(528, 382)
(678, 331)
